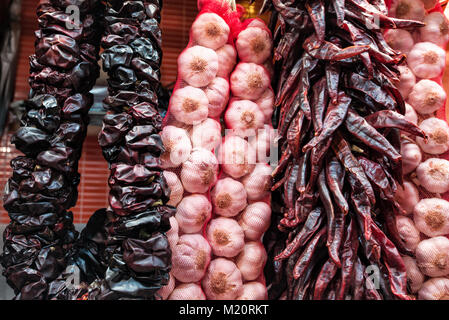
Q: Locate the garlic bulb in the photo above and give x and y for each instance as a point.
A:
(407, 196)
(429, 4)
(433, 174)
(189, 105)
(407, 9)
(173, 233)
(426, 60)
(257, 23)
(166, 290)
(431, 217)
(255, 220)
(436, 29)
(177, 146)
(236, 156)
(244, 117)
(190, 258)
(399, 40)
(249, 81)
(407, 232)
(407, 81)
(251, 260)
(217, 93)
(263, 143)
(210, 30)
(266, 104)
(437, 131)
(200, 171)
(176, 189)
(410, 114)
(258, 183)
(253, 291)
(206, 135)
(432, 256)
(187, 291)
(435, 289)
(254, 44)
(227, 57)
(427, 97)
(192, 212)
(225, 237)
(223, 280)
(228, 197)
(414, 276)
(198, 66)
(411, 156)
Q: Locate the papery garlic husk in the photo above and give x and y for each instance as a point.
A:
(227, 57)
(200, 171)
(217, 93)
(177, 146)
(399, 40)
(410, 114)
(415, 278)
(254, 44)
(244, 117)
(426, 60)
(210, 30)
(407, 196)
(225, 237)
(206, 135)
(251, 260)
(411, 156)
(436, 29)
(223, 280)
(189, 105)
(236, 156)
(427, 97)
(249, 81)
(192, 212)
(432, 256)
(266, 104)
(407, 81)
(255, 220)
(228, 197)
(434, 289)
(176, 188)
(198, 66)
(258, 183)
(187, 291)
(408, 232)
(431, 217)
(433, 175)
(173, 233)
(437, 132)
(253, 291)
(407, 9)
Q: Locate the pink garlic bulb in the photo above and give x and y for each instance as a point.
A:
(192, 212)
(258, 183)
(249, 81)
(177, 146)
(266, 104)
(244, 117)
(407, 232)
(426, 60)
(189, 105)
(257, 23)
(228, 197)
(173, 233)
(223, 280)
(411, 156)
(431, 217)
(263, 142)
(217, 93)
(433, 174)
(408, 9)
(236, 156)
(436, 29)
(254, 44)
(255, 220)
(410, 114)
(175, 185)
(210, 30)
(225, 237)
(198, 66)
(429, 4)
(435, 289)
(188, 291)
(427, 97)
(200, 171)
(206, 135)
(437, 132)
(227, 57)
(253, 291)
(251, 260)
(432, 256)
(414, 276)
(407, 81)
(190, 258)
(399, 40)
(166, 290)
(407, 196)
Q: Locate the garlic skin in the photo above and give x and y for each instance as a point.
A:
(227, 58)
(187, 291)
(411, 156)
(223, 280)
(433, 174)
(228, 197)
(414, 276)
(432, 256)
(399, 40)
(206, 135)
(427, 97)
(254, 44)
(190, 258)
(429, 4)
(244, 117)
(198, 66)
(262, 143)
(200, 171)
(236, 156)
(166, 290)
(249, 81)
(436, 29)
(173, 233)
(426, 60)
(407, 81)
(437, 131)
(255, 220)
(410, 114)
(266, 104)
(175, 185)
(177, 146)
(435, 289)
(210, 30)
(431, 217)
(217, 93)
(225, 237)
(258, 183)
(251, 260)
(257, 23)
(408, 233)
(408, 9)
(253, 291)
(407, 196)
(192, 212)
(189, 105)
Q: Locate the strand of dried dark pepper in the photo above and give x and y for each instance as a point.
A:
(43, 185)
(335, 72)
